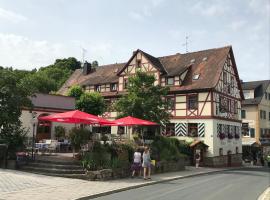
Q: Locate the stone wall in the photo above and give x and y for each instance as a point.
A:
(222, 161)
(161, 167)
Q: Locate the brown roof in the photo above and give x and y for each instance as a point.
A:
(53, 101)
(208, 63)
(100, 75)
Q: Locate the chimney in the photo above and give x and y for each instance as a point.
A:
(86, 68)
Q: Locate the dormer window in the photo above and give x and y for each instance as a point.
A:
(98, 88)
(170, 81)
(196, 76)
(113, 87)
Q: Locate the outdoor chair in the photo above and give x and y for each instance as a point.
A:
(52, 147)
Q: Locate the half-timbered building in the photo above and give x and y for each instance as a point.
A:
(205, 95)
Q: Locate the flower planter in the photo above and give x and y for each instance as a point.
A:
(230, 136)
(222, 136)
(236, 136)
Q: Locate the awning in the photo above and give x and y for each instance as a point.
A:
(198, 142)
(250, 143)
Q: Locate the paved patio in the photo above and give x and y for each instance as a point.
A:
(22, 185)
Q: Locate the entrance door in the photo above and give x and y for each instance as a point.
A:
(229, 161)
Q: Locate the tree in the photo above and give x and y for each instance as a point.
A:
(75, 91)
(95, 64)
(92, 103)
(144, 99)
(39, 82)
(13, 97)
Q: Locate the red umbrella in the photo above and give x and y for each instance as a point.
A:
(132, 121)
(75, 117)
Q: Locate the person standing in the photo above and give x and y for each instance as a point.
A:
(197, 159)
(146, 164)
(137, 163)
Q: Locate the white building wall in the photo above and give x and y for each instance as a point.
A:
(226, 144)
(27, 123)
(208, 137)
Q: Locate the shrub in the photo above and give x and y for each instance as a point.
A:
(15, 138)
(108, 156)
(79, 136)
(59, 131)
(169, 149)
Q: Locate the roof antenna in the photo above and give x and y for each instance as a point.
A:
(83, 54)
(186, 43)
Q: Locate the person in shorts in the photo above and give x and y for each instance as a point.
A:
(146, 164)
(137, 163)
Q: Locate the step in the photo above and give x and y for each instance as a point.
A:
(52, 170)
(77, 176)
(60, 162)
(52, 165)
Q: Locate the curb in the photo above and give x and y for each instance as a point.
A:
(264, 195)
(150, 183)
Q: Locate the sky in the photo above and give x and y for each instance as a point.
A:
(33, 33)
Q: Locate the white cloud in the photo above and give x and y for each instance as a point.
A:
(260, 6)
(238, 25)
(136, 15)
(11, 16)
(156, 2)
(22, 52)
(212, 9)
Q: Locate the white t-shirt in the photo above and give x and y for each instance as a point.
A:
(137, 157)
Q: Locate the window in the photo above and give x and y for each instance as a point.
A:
(113, 86)
(170, 81)
(196, 76)
(224, 77)
(269, 116)
(268, 96)
(220, 151)
(235, 107)
(223, 104)
(171, 103)
(262, 132)
(252, 132)
(125, 83)
(265, 95)
(193, 130)
(264, 114)
(139, 63)
(243, 114)
(245, 130)
(192, 101)
(97, 88)
(236, 150)
(170, 129)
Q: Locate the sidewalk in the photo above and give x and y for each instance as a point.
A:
(265, 195)
(21, 185)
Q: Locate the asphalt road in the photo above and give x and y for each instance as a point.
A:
(242, 184)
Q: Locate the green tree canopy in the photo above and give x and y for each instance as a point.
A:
(75, 91)
(92, 103)
(94, 64)
(144, 99)
(13, 97)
